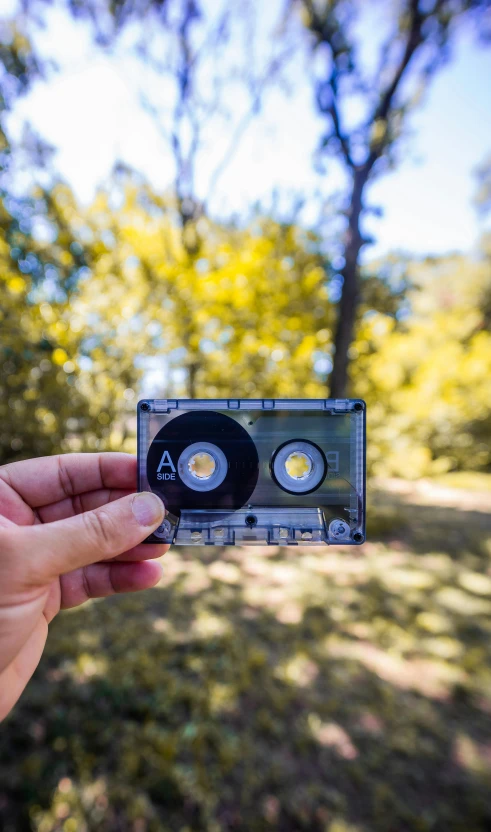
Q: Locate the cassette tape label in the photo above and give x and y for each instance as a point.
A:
(166, 461)
(282, 471)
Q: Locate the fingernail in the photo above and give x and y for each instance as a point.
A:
(148, 508)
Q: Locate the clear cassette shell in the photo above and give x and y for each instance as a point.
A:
(262, 471)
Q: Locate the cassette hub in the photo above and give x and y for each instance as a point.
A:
(202, 466)
(299, 467)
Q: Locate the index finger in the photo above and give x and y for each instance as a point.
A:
(49, 479)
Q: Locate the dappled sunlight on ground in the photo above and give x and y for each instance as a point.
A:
(339, 690)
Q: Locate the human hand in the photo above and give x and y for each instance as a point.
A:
(69, 531)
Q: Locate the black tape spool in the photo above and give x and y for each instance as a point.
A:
(228, 435)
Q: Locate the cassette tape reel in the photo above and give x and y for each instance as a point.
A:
(237, 471)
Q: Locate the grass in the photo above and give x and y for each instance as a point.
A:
(340, 690)
(468, 480)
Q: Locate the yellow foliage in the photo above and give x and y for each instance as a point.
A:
(16, 284)
(59, 356)
(427, 380)
(245, 313)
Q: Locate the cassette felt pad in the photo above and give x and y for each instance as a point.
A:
(255, 471)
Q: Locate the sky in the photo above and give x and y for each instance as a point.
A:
(90, 111)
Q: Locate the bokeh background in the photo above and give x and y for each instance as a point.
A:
(200, 199)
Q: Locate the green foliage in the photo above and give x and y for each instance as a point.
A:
(48, 402)
(260, 689)
(20, 65)
(89, 294)
(427, 376)
(244, 314)
(413, 42)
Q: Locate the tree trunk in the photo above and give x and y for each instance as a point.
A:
(191, 242)
(349, 294)
(193, 368)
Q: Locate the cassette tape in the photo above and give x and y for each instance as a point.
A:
(268, 471)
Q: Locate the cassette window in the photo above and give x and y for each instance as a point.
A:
(255, 471)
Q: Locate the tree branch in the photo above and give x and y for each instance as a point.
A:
(381, 112)
(325, 34)
(332, 109)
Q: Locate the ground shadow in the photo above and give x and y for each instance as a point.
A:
(287, 689)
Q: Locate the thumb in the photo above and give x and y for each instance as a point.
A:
(59, 547)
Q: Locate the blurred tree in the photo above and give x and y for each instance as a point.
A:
(33, 400)
(19, 68)
(255, 297)
(62, 387)
(90, 293)
(49, 400)
(73, 335)
(483, 202)
(426, 375)
(416, 44)
(86, 293)
(198, 58)
(205, 52)
(65, 379)
(483, 194)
